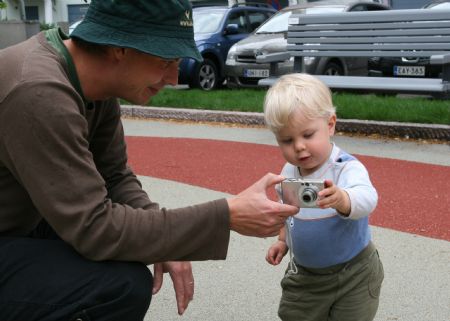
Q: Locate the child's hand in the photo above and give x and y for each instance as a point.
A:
(276, 252)
(334, 197)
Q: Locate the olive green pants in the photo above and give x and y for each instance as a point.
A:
(344, 292)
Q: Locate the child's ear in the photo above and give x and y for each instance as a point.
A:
(331, 125)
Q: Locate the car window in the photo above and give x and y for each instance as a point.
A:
(441, 6)
(278, 23)
(367, 7)
(207, 21)
(358, 8)
(345, 2)
(324, 10)
(238, 18)
(256, 19)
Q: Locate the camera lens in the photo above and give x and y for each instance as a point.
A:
(309, 195)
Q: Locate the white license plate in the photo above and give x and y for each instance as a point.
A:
(256, 73)
(409, 71)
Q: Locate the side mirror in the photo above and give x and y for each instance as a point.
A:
(231, 29)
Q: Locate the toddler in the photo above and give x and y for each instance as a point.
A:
(335, 272)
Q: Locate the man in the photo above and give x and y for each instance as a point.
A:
(76, 228)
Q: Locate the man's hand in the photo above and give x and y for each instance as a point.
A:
(253, 214)
(182, 278)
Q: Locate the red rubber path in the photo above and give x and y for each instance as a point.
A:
(413, 197)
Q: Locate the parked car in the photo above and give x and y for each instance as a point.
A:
(216, 29)
(408, 66)
(242, 70)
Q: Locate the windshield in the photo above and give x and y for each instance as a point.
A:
(207, 21)
(279, 22)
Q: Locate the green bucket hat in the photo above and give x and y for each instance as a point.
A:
(162, 28)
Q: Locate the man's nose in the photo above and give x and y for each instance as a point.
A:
(171, 75)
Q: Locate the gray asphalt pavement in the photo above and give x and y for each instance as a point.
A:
(245, 288)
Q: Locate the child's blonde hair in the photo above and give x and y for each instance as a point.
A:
(296, 92)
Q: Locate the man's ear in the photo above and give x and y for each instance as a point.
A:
(118, 53)
(332, 124)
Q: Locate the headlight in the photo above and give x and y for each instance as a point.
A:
(231, 56)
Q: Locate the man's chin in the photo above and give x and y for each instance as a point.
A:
(143, 97)
(144, 100)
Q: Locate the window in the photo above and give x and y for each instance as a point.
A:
(207, 21)
(238, 18)
(32, 12)
(76, 12)
(256, 19)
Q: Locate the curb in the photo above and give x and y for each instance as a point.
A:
(353, 126)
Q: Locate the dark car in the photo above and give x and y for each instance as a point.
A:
(216, 29)
(242, 70)
(408, 66)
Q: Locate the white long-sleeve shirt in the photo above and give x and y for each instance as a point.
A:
(322, 237)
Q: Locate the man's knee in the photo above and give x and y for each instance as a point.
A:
(125, 293)
(136, 281)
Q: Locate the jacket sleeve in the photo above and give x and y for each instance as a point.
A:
(108, 147)
(46, 148)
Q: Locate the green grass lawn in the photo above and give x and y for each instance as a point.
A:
(349, 106)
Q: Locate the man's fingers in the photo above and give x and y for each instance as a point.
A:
(188, 293)
(180, 296)
(157, 277)
(183, 283)
(184, 294)
(285, 210)
(263, 184)
(271, 179)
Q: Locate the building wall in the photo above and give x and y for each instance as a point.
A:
(15, 31)
(12, 11)
(60, 9)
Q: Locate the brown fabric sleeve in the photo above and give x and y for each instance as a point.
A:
(45, 146)
(107, 144)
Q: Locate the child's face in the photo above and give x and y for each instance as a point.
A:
(306, 142)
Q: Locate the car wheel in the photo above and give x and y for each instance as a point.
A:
(333, 69)
(206, 76)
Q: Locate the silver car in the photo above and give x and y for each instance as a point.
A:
(241, 69)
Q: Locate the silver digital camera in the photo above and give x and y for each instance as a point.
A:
(301, 193)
